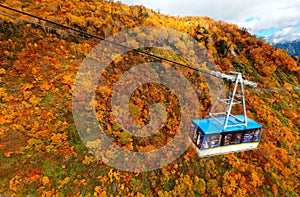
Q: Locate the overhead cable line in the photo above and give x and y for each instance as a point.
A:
(103, 39)
(212, 73)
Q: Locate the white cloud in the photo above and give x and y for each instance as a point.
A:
(275, 18)
(267, 14)
(285, 35)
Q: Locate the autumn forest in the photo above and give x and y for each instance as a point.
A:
(41, 152)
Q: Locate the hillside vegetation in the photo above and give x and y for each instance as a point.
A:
(41, 153)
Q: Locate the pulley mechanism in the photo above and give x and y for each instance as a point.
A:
(232, 93)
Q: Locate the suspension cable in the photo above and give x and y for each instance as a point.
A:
(86, 34)
(103, 39)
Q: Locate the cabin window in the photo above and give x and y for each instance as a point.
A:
(238, 138)
(232, 138)
(227, 139)
(256, 135)
(211, 141)
(196, 135)
(193, 133)
(199, 139)
(249, 136)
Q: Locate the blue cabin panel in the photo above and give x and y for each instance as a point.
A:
(208, 133)
(211, 126)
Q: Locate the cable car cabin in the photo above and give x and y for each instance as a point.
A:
(210, 138)
(225, 132)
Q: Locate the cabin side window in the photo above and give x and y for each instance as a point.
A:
(211, 141)
(196, 135)
(238, 138)
(252, 135)
(256, 135)
(199, 139)
(192, 131)
(228, 138)
(232, 138)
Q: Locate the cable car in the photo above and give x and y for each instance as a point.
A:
(226, 132)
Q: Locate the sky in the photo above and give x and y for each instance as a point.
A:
(276, 20)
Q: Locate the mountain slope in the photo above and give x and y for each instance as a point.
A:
(293, 48)
(41, 152)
